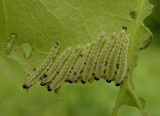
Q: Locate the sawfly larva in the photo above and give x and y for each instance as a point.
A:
(59, 80)
(121, 73)
(36, 75)
(49, 75)
(73, 76)
(100, 67)
(89, 67)
(113, 58)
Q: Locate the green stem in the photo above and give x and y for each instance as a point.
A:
(119, 98)
(127, 87)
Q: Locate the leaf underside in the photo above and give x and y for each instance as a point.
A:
(40, 23)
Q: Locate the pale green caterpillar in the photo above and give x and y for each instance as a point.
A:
(121, 73)
(59, 80)
(73, 76)
(36, 75)
(89, 67)
(50, 74)
(102, 61)
(113, 58)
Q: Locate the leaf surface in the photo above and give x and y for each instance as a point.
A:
(40, 23)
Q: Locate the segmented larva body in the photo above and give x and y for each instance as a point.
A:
(122, 71)
(73, 76)
(36, 75)
(113, 58)
(102, 60)
(89, 67)
(59, 80)
(49, 75)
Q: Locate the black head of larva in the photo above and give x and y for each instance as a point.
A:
(45, 75)
(82, 81)
(57, 72)
(108, 81)
(25, 87)
(81, 71)
(118, 84)
(81, 55)
(124, 27)
(115, 72)
(117, 65)
(57, 43)
(96, 78)
(43, 84)
(133, 14)
(70, 81)
(49, 88)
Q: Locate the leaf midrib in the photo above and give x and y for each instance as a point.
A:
(126, 84)
(135, 29)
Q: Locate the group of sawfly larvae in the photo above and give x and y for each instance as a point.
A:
(105, 58)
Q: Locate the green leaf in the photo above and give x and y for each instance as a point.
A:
(127, 96)
(40, 23)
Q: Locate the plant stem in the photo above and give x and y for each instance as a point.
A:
(119, 98)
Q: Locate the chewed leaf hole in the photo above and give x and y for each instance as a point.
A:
(27, 50)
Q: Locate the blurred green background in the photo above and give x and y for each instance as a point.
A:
(93, 99)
